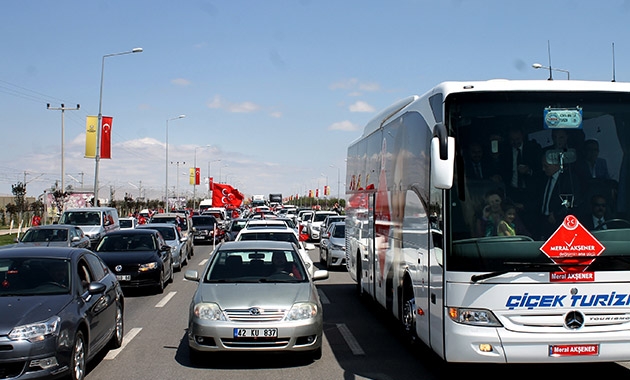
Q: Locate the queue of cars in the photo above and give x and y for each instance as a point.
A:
(259, 267)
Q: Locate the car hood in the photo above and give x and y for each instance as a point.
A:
(90, 230)
(21, 310)
(245, 295)
(128, 257)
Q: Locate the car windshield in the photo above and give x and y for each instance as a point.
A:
(204, 220)
(339, 231)
(44, 235)
(255, 266)
(123, 243)
(81, 218)
(25, 276)
(168, 233)
(267, 235)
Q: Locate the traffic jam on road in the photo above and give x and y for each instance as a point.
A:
(255, 292)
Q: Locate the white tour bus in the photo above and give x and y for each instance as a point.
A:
(475, 267)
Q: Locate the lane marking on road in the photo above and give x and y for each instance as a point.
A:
(350, 340)
(322, 297)
(126, 339)
(165, 299)
(203, 262)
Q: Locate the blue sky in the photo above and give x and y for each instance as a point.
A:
(276, 90)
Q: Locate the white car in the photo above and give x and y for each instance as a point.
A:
(314, 225)
(180, 251)
(278, 233)
(332, 246)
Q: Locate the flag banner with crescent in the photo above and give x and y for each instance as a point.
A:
(106, 136)
(90, 136)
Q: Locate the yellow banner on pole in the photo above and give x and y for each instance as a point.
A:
(192, 176)
(90, 136)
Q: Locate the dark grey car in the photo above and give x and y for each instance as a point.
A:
(60, 308)
(54, 235)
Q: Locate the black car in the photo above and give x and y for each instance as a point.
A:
(139, 258)
(60, 307)
(204, 228)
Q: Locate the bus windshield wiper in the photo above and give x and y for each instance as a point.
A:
(516, 267)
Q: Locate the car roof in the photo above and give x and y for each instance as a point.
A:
(54, 227)
(132, 231)
(256, 244)
(40, 251)
(149, 225)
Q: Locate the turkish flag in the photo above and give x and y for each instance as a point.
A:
(224, 195)
(106, 136)
(197, 175)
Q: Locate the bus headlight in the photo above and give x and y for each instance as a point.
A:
(475, 317)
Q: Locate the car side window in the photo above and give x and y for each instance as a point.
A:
(85, 274)
(96, 266)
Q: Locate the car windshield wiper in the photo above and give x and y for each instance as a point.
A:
(515, 267)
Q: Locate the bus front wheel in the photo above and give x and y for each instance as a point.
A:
(408, 315)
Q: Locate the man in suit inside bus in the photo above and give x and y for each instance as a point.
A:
(558, 194)
(520, 171)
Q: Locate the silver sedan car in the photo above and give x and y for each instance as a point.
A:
(255, 296)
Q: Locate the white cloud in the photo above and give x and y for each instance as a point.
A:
(360, 106)
(343, 126)
(276, 114)
(180, 82)
(244, 107)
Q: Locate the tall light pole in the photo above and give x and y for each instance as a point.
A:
(338, 180)
(166, 161)
(63, 168)
(97, 155)
(539, 66)
(222, 166)
(209, 163)
(195, 178)
(176, 188)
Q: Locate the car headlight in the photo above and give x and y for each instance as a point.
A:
(301, 311)
(148, 267)
(34, 332)
(209, 311)
(338, 247)
(475, 317)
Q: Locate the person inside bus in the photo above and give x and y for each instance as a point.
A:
(598, 210)
(558, 195)
(589, 165)
(477, 165)
(491, 214)
(519, 170)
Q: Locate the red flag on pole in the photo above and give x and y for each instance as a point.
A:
(197, 176)
(106, 137)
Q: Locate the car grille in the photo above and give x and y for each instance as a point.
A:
(255, 315)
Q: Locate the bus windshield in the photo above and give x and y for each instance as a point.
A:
(527, 161)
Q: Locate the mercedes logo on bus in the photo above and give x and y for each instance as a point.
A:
(574, 320)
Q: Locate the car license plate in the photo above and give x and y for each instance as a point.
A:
(123, 277)
(255, 333)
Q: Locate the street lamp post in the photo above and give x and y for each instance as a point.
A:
(97, 155)
(166, 161)
(539, 66)
(209, 187)
(220, 167)
(177, 186)
(338, 181)
(63, 169)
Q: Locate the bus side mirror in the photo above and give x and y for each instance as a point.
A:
(442, 169)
